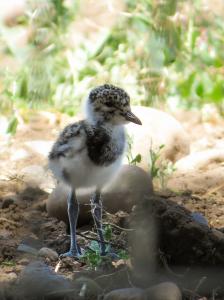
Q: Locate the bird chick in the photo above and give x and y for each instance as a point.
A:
(89, 153)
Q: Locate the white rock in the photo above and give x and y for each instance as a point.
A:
(199, 172)
(200, 160)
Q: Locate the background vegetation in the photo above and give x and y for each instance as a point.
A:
(164, 52)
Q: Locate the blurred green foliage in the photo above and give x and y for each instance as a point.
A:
(160, 51)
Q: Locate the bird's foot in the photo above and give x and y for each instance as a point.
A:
(74, 253)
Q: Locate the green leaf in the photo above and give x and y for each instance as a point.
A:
(185, 87)
(200, 90)
(94, 246)
(107, 232)
(217, 93)
(136, 160)
(123, 254)
(12, 125)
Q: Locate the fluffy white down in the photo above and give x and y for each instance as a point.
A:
(83, 173)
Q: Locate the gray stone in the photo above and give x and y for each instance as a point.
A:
(48, 253)
(158, 128)
(163, 291)
(129, 187)
(126, 294)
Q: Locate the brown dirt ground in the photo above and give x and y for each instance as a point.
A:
(23, 218)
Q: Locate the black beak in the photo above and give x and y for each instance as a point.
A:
(129, 116)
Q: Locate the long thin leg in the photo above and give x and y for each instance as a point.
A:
(96, 209)
(73, 213)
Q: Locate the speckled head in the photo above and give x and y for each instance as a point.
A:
(111, 104)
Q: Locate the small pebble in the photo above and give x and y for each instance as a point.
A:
(48, 253)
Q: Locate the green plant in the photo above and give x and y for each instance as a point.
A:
(168, 52)
(8, 263)
(92, 256)
(123, 254)
(158, 168)
(12, 125)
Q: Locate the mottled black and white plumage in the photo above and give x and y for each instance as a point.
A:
(88, 153)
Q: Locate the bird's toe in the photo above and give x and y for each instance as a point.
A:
(74, 254)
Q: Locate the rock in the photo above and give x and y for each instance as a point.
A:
(158, 128)
(200, 160)
(199, 172)
(48, 253)
(126, 294)
(198, 217)
(164, 291)
(88, 288)
(128, 188)
(39, 280)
